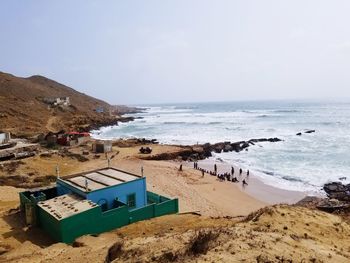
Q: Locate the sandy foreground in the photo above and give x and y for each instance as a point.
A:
(221, 206)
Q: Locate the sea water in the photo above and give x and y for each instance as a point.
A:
(303, 162)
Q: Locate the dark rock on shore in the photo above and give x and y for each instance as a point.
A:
(185, 153)
(337, 190)
(331, 205)
(298, 134)
(324, 204)
(146, 141)
(235, 146)
(133, 142)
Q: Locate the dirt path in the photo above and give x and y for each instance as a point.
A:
(52, 122)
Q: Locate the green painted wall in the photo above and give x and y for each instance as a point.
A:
(143, 213)
(50, 224)
(94, 221)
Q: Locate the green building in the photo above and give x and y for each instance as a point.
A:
(93, 202)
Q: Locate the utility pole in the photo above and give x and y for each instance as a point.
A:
(57, 171)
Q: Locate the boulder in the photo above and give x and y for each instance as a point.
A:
(331, 205)
(218, 149)
(244, 145)
(145, 150)
(228, 148)
(298, 134)
(236, 146)
(337, 190)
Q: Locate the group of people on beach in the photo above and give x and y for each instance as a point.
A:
(227, 176)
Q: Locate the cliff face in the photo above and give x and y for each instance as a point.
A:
(26, 107)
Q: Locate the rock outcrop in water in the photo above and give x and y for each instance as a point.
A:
(308, 131)
(199, 152)
(239, 146)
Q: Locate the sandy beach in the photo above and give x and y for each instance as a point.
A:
(256, 187)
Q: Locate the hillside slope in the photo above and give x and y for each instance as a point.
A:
(273, 234)
(24, 112)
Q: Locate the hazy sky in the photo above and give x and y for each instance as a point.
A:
(130, 52)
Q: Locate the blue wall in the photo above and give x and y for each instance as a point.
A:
(138, 187)
(109, 194)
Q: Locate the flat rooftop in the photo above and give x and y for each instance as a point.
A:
(99, 179)
(65, 206)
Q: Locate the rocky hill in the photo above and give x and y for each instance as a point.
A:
(27, 107)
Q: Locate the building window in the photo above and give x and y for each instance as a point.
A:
(131, 200)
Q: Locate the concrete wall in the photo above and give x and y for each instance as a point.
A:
(121, 191)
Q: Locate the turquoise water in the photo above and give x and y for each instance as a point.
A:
(298, 163)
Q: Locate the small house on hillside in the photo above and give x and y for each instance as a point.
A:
(52, 137)
(93, 202)
(73, 138)
(59, 101)
(5, 138)
(100, 110)
(104, 146)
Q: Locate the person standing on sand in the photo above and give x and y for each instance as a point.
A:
(215, 169)
(247, 173)
(244, 183)
(180, 169)
(240, 171)
(202, 173)
(232, 170)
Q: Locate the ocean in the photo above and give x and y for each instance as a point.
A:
(301, 163)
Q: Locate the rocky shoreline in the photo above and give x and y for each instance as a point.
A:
(109, 122)
(202, 151)
(115, 120)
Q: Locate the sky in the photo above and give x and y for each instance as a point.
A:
(161, 51)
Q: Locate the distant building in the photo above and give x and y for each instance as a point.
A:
(5, 137)
(100, 110)
(60, 101)
(91, 203)
(104, 146)
(73, 138)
